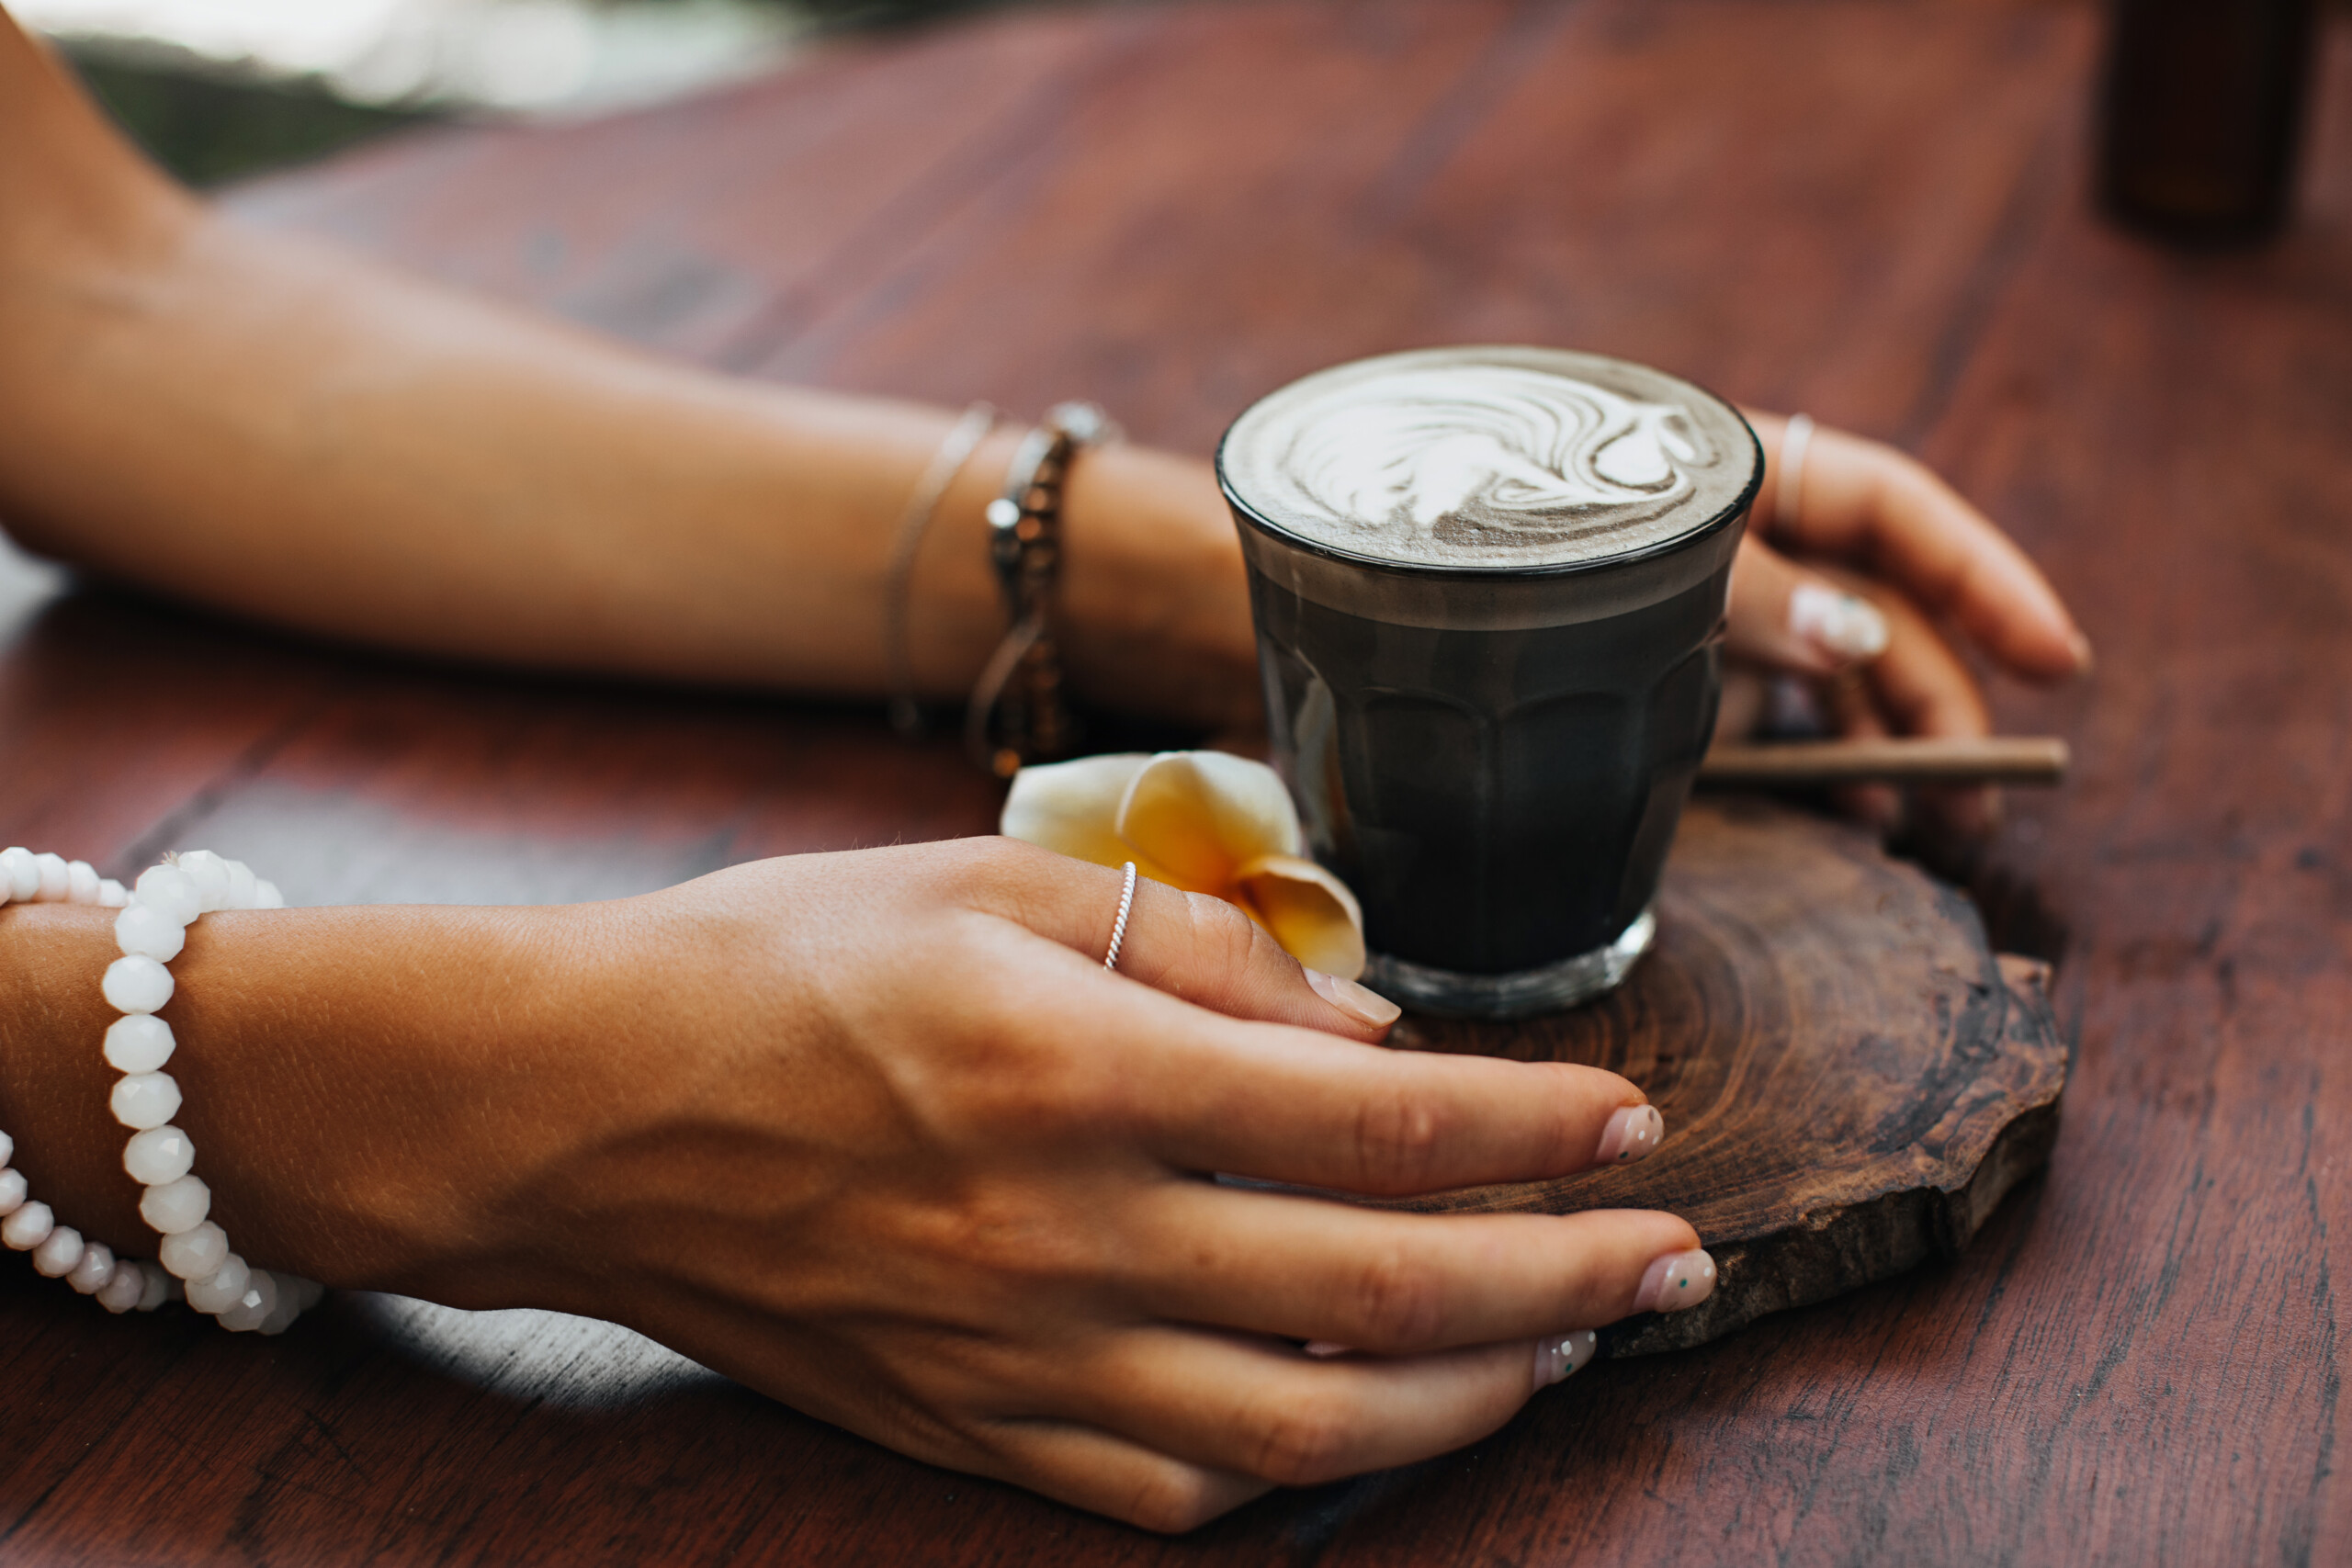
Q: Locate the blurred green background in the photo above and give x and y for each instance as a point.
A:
(207, 129)
(209, 121)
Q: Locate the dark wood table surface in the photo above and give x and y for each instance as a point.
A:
(1868, 209)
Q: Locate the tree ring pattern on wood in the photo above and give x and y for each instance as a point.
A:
(1851, 1078)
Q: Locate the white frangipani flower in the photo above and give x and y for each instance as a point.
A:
(1203, 821)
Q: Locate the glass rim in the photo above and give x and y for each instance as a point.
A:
(1732, 511)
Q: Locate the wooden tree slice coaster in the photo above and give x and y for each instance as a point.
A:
(1851, 1079)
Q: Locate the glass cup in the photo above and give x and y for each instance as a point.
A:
(1490, 586)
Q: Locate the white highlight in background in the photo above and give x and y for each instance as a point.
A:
(532, 56)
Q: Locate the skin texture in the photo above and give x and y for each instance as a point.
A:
(916, 1163)
(874, 1131)
(331, 447)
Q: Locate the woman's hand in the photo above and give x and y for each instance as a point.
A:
(1858, 583)
(876, 1133)
(881, 1137)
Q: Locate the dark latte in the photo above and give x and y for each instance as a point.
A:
(1489, 586)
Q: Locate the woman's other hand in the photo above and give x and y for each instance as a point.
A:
(1868, 583)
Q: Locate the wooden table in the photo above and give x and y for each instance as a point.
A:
(1872, 211)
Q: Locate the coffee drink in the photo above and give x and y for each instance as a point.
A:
(1489, 589)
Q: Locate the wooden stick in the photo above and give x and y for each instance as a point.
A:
(1992, 759)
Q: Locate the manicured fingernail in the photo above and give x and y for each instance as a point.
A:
(1844, 626)
(2081, 645)
(1366, 1007)
(1677, 1281)
(1563, 1354)
(1632, 1131)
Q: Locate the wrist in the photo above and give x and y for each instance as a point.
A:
(1153, 608)
(358, 1084)
(1154, 602)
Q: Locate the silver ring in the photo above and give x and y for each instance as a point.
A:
(1788, 492)
(1119, 926)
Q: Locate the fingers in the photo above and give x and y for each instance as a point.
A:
(1106, 1474)
(1825, 620)
(1248, 1097)
(1742, 709)
(1293, 1109)
(1870, 505)
(1220, 1094)
(1900, 675)
(1210, 953)
(1856, 715)
(1786, 616)
(1262, 1410)
(1918, 686)
(1190, 946)
(1922, 687)
(1393, 1283)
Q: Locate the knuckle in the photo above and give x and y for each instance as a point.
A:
(1303, 1444)
(1003, 875)
(1004, 1246)
(982, 857)
(1221, 935)
(1399, 1137)
(1399, 1302)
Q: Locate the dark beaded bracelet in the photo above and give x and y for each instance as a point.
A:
(1017, 714)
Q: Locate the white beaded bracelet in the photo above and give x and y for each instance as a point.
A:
(151, 931)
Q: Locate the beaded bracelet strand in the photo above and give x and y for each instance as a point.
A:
(194, 1261)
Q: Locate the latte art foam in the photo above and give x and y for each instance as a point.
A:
(1505, 458)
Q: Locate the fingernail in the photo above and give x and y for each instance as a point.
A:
(1632, 1131)
(2081, 645)
(1844, 626)
(1677, 1281)
(1366, 1007)
(1559, 1357)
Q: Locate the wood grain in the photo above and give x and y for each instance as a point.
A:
(1871, 211)
(1851, 1079)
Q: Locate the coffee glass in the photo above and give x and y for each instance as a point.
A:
(1490, 586)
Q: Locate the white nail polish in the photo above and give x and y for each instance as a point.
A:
(1842, 625)
(1367, 1007)
(1562, 1355)
(1678, 1281)
(1632, 1130)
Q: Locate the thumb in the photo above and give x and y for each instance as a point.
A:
(1788, 617)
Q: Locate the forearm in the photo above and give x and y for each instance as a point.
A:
(295, 434)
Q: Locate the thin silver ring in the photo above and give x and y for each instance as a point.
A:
(1119, 926)
(1788, 492)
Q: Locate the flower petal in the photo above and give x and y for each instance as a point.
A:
(1308, 910)
(1072, 807)
(1203, 815)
